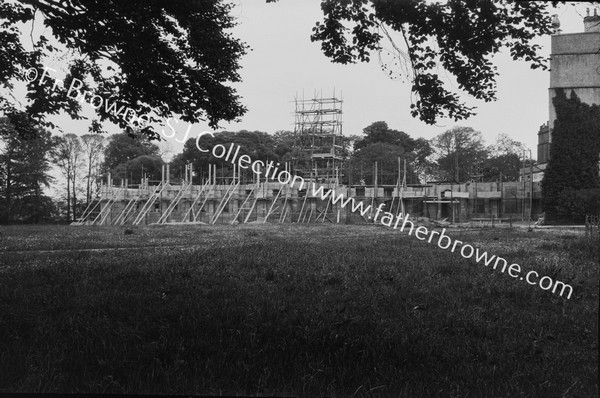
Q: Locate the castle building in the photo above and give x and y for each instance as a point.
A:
(574, 66)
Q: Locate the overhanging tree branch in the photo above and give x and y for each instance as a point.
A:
(173, 56)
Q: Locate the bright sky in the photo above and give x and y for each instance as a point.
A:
(284, 63)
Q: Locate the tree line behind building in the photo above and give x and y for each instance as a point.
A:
(84, 161)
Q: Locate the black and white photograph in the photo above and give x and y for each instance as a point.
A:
(299, 198)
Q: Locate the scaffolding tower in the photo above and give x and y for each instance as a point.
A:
(318, 139)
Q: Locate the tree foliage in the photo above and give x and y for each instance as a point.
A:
(574, 158)
(158, 57)
(68, 156)
(24, 170)
(504, 160)
(135, 169)
(122, 148)
(362, 169)
(504, 167)
(93, 148)
(460, 36)
(380, 132)
(284, 144)
(385, 145)
(256, 144)
(460, 153)
(505, 145)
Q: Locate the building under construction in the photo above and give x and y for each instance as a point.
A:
(317, 159)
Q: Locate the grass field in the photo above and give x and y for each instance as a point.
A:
(292, 310)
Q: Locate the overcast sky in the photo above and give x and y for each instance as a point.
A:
(284, 63)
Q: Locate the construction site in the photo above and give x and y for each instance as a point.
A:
(239, 198)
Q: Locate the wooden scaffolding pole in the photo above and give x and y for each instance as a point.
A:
(303, 204)
(272, 205)
(173, 204)
(105, 211)
(126, 210)
(253, 203)
(284, 212)
(226, 197)
(86, 213)
(190, 211)
(206, 197)
(156, 193)
(242, 207)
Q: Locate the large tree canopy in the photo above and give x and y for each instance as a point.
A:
(461, 154)
(122, 148)
(386, 145)
(361, 166)
(505, 159)
(256, 144)
(158, 58)
(460, 36)
(380, 132)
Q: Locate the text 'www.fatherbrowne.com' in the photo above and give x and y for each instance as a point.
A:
(270, 170)
(443, 241)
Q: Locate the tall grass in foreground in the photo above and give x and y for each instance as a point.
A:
(292, 310)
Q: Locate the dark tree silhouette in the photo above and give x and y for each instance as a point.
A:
(122, 148)
(158, 57)
(24, 170)
(460, 154)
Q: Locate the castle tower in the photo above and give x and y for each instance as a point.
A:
(574, 66)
